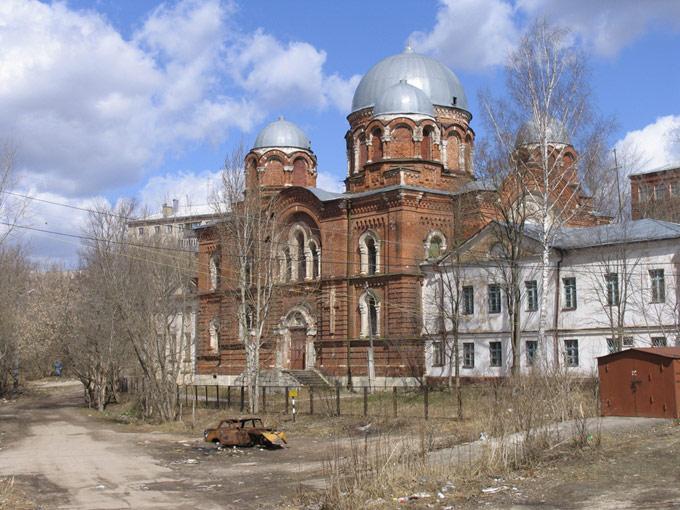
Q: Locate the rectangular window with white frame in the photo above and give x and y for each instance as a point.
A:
(659, 341)
(571, 353)
(531, 349)
(495, 354)
(468, 300)
(658, 284)
(468, 355)
(615, 344)
(612, 287)
(532, 295)
(570, 301)
(437, 353)
(495, 305)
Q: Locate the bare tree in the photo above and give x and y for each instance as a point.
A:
(10, 208)
(94, 345)
(548, 109)
(155, 301)
(507, 167)
(42, 320)
(15, 289)
(250, 242)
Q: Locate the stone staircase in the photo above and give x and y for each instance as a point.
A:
(292, 378)
(310, 377)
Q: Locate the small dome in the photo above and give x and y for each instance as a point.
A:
(531, 133)
(403, 98)
(433, 78)
(282, 133)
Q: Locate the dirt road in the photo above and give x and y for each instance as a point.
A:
(69, 460)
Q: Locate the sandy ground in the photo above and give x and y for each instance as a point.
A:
(64, 458)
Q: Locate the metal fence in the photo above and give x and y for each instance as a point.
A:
(397, 401)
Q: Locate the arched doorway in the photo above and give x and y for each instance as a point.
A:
(296, 346)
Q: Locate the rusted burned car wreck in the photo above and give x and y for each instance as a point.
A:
(244, 431)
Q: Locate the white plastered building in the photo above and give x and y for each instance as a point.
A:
(609, 287)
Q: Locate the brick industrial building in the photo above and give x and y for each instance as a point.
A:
(656, 193)
(351, 275)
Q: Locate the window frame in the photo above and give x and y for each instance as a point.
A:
(495, 354)
(494, 294)
(570, 293)
(571, 353)
(654, 341)
(531, 289)
(438, 356)
(530, 353)
(468, 292)
(468, 355)
(657, 279)
(612, 288)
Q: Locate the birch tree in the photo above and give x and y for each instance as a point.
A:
(548, 107)
(250, 240)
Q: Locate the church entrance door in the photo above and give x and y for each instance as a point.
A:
(298, 346)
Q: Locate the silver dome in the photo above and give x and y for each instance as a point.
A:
(425, 73)
(403, 98)
(531, 132)
(282, 133)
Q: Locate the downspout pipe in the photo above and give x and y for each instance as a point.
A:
(556, 314)
(348, 270)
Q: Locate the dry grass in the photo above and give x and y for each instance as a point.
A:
(12, 497)
(517, 414)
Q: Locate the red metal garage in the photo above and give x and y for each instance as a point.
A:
(641, 382)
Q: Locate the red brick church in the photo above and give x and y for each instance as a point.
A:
(352, 276)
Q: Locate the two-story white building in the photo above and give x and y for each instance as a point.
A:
(610, 287)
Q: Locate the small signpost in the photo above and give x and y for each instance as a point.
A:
(293, 395)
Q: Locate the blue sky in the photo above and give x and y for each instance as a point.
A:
(111, 98)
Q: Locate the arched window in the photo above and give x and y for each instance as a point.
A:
(401, 145)
(372, 315)
(435, 245)
(372, 256)
(363, 151)
(300, 256)
(288, 265)
(214, 332)
(376, 145)
(316, 263)
(453, 151)
(299, 172)
(369, 251)
(214, 270)
(468, 154)
(426, 143)
(369, 308)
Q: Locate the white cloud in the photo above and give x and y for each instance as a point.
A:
(190, 188)
(91, 110)
(470, 34)
(476, 34)
(42, 218)
(330, 182)
(280, 74)
(606, 25)
(654, 145)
